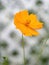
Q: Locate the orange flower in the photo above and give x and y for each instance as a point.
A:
(27, 24)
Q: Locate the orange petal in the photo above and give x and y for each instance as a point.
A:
(35, 24)
(21, 17)
(26, 30)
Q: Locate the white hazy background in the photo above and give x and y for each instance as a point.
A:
(10, 37)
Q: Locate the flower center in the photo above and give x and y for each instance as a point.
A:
(28, 21)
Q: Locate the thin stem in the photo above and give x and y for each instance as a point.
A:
(23, 49)
(42, 47)
(0, 52)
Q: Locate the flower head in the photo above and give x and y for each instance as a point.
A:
(27, 24)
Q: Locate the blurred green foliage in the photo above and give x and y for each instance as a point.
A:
(39, 2)
(15, 53)
(3, 44)
(12, 34)
(5, 61)
(2, 7)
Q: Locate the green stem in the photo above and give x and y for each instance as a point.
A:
(23, 49)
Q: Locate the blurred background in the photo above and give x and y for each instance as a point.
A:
(36, 48)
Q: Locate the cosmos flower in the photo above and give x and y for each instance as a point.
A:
(27, 23)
